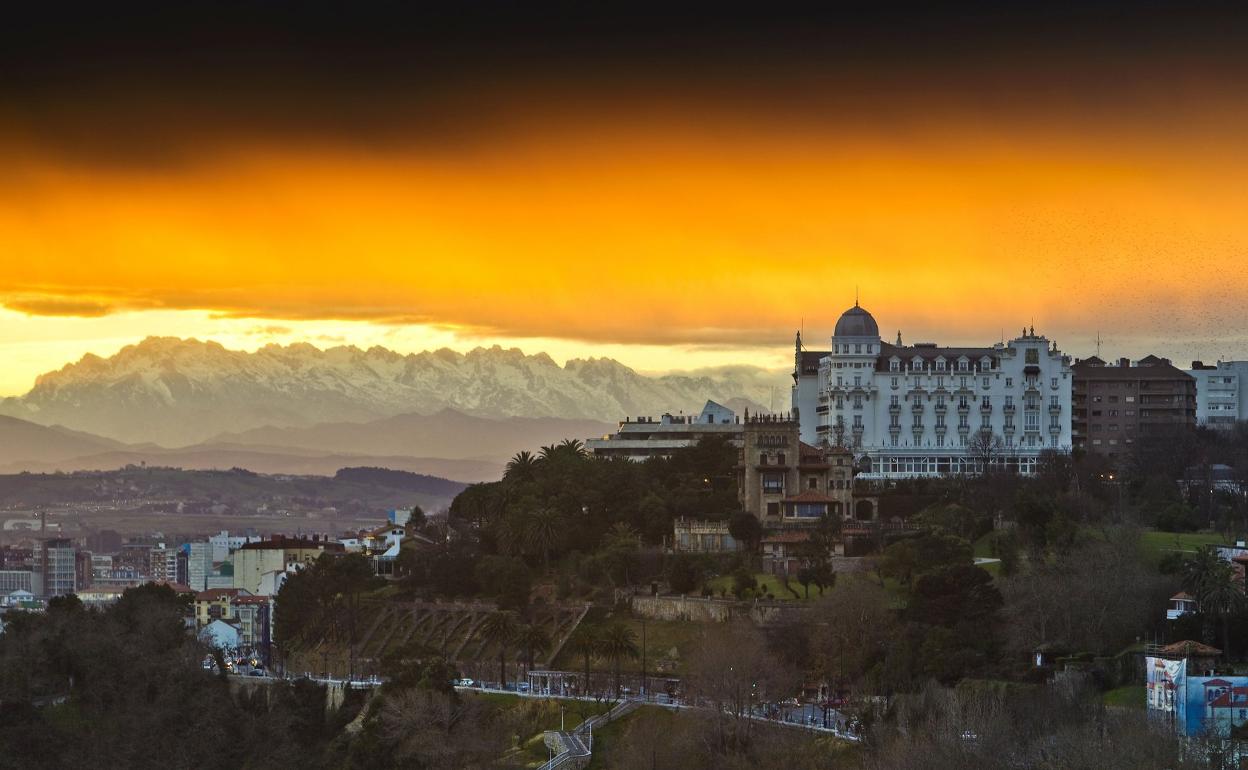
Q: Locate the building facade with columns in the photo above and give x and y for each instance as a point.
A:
(923, 410)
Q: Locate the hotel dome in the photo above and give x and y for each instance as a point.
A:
(856, 322)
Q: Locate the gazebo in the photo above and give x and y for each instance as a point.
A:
(554, 682)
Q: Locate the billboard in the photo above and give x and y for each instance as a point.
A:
(1195, 705)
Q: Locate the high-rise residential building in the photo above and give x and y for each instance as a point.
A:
(1117, 405)
(15, 580)
(924, 410)
(55, 568)
(198, 565)
(1220, 397)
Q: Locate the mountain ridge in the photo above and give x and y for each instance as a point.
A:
(181, 392)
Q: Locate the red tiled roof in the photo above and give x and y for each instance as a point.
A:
(282, 542)
(212, 594)
(1181, 595)
(1189, 648)
(251, 599)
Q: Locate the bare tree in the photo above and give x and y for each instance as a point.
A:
(986, 448)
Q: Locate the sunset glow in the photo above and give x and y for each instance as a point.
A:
(647, 231)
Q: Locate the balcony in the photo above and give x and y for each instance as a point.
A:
(964, 408)
(941, 407)
(1055, 428)
(940, 429)
(1055, 408)
(821, 409)
(894, 408)
(964, 429)
(1008, 429)
(985, 408)
(1008, 409)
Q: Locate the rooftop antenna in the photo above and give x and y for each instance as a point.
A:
(855, 295)
(1098, 343)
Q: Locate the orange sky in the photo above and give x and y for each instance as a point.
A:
(663, 236)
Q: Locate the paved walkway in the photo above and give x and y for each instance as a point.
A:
(576, 746)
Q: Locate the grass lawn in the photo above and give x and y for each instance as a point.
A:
(1155, 545)
(766, 584)
(1131, 696)
(609, 736)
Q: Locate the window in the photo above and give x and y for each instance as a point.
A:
(1053, 441)
(962, 403)
(1053, 382)
(985, 422)
(1113, 412)
(893, 440)
(812, 483)
(857, 421)
(940, 421)
(894, 365)
(762, 458)
(894, 400)
(1009, 441)
(1033, 356)
(870, 348)
(773, 509)
(858, 348)
(857, 402)
(773, 482)
(1055, 402)
(940, 402)
(940, 364)
(894, 382)
(836, 348)
(986, 402)
(894, 420)
(780, 459)
(940, 439)
(840, 402)
(1032, 421)
(1009, 402)
(857, 380)
(986, 383)
(1113, 399)
(1009, 382)
(963, 421)
(963, 382)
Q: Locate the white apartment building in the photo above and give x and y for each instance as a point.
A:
(647, 437)
(915, 410)
(1220, 401)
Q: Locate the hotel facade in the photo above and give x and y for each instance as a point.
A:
(922, 410)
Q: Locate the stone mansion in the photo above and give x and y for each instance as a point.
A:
(920, 410)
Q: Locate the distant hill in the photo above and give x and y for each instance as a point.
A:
(447, 434)
(240, 492)
(176, 392)
(25, 441)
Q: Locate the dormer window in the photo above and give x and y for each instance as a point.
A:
(894, 365)
(940, 364)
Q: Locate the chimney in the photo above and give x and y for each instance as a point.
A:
(1124, 362)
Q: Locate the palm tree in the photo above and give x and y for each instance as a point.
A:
(534, 640)
(543, 531)
(1217, 589)
(500, 628)
(584, 642)
(617, 642)
(573, 447)
(522, 467)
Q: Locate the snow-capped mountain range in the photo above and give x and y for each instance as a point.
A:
(177, 392)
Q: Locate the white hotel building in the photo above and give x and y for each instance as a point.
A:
(914, 410)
